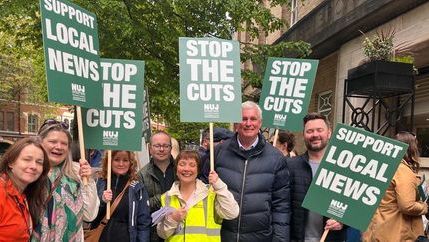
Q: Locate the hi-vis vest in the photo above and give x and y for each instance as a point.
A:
(200, 224)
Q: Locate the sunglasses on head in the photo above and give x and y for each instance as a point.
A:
(50, 122)
(408, 132)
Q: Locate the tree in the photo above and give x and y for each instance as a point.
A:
(21, 62)
(149, 30)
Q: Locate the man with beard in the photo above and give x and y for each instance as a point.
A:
(306, 225)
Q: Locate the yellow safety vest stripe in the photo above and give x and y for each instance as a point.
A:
(200, 223)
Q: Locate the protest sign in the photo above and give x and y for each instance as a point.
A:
(286, 92)
(118, 126)
(70, 41)
(353, 176)
(210, 82)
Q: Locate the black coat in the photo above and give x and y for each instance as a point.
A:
(259, 181)
(300, 180)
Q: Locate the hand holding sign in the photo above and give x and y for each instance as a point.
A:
(354, 173)
(210, 82)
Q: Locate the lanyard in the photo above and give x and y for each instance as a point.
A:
(25, 212)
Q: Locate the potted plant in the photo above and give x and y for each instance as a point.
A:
(383, 74)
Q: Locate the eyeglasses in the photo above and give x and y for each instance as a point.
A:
(49, 122)
(158, 146)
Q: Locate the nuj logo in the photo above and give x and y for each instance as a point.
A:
(211, 107)
(110, 134)
(78, 88)
(338, 205)
(337, 208)
(110, 137)
(280, 117)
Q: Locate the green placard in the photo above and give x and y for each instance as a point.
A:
(210, 82)
(286, 92)
(353, 176)
(70, 41)
(118, 126)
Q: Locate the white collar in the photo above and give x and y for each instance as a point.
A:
(253, 145)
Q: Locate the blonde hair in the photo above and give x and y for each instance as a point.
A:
(67, 170)
(175, 148)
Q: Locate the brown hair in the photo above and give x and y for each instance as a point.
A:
(313, 116)
(288, 138)
(412, 154)
(132, 171)
(36, 191)
(187, 155)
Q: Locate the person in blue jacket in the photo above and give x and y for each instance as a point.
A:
(131, 219)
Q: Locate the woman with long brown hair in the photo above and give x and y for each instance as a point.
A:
(131, 220)
(23, 175)
(399, 215)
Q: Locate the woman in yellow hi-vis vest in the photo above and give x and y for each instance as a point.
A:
(190, 210)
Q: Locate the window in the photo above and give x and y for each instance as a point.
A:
(1, 120)
(10, 121)
(293, 12)
(33, 123)
(324, 103)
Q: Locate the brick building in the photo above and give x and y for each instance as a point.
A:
(22, 119)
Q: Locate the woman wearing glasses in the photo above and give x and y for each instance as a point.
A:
(23, 175)
(399, 215)
(69, 201)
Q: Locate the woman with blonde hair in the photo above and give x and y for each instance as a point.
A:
(131, 220)
(399, 215)
(69, 201)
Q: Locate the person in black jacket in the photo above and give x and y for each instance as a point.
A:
(131, 219)
(219, 136)
(307, 225)
(256, 173)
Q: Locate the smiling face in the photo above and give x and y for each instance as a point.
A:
(28, 166)
(316, 135)
(160, 147)
(56, 144)
(251, 122)
(121, 163)
(187, 170)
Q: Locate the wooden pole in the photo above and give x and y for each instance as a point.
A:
(324, 235)
(211, 148)
(276, 137)
(81, 141)
(109, 180)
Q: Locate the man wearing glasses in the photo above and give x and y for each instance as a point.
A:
(158, 175)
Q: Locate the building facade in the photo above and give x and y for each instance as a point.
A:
(22, 119)
(334, 29)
